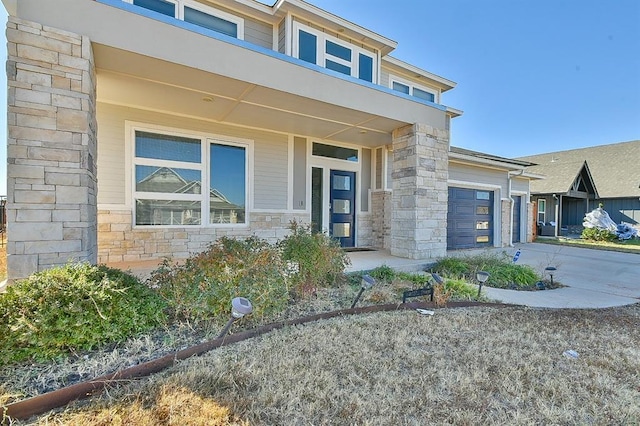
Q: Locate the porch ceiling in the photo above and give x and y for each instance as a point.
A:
(140, 81)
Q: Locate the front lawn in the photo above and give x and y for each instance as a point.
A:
(459, 366)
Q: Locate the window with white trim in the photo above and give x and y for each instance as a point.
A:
(412, 89)
(197, 14)
(542, 207)
(170, 171)
(330, 52)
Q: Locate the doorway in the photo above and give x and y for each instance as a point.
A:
(333, 203)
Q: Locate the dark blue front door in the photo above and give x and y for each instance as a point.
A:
(517, 204)
(342, 203)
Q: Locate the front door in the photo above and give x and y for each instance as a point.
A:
(342, 204)
(517, 204)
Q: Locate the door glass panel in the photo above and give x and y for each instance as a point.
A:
(482, 239)
(342, 183)
(342, 206)
(483, 195)
(482, 210)
(341, 230)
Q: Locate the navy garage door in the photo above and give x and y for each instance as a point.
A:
(470, 218)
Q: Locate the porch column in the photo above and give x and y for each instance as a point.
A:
(51, 148)
(420, 193)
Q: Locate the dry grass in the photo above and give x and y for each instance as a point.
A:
(460, 366)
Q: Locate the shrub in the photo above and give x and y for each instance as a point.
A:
(319, 258)
(71, 308)
(595, 234)
(503, 273)
(383, 273)
(202, 287)
(461, 290)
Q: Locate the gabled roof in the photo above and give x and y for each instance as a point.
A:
(614, 168)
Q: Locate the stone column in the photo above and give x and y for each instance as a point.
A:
(51, 148)
(420, 194)
(505, 222)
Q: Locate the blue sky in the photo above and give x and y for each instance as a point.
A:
(533, 75)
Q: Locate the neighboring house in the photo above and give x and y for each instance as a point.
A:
(122, 112)
(577, 180)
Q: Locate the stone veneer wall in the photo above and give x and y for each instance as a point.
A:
(420, 194)
(51, 148)
(119, 242)
(505, 223)
(364, 231)
(381, 219)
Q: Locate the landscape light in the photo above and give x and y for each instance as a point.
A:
(437, 278)
(366, 283)
(482, 277)
(239, 308)
(551, 270)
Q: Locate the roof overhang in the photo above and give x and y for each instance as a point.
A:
(166, 65)
(429, 78)
(514, 170)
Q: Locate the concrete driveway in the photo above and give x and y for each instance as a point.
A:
(594, 278)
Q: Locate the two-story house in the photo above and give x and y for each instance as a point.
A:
(140, 129)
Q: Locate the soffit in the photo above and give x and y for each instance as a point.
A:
(139, 81)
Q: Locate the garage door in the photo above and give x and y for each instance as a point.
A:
(470, 218)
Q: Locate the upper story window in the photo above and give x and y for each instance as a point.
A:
(197, 14)
(412, 89)
(329, 52)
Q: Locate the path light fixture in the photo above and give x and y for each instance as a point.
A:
(482, 277)
(366, 283)
(239, 308)
(550, 270)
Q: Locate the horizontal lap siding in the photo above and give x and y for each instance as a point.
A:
(476, 176)
(270, 153)
(258, 33)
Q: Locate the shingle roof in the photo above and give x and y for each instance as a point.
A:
(615, 169)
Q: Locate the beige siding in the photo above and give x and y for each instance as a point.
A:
(259, 33)
(478, 176)
(282, 34)
(384, 77)
(270, 153)
(520, 185)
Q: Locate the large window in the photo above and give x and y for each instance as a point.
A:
(329, 52)
(412, 89)
(171, 170)
(197, 14)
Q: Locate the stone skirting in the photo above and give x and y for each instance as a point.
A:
(51, 148)
(119, 242)
(381, 219)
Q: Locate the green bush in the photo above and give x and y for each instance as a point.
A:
(318, 258)
(503, 273)
(461, 290)
(71, 308)
(595, 234)
(202, 287)
(383, 273)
